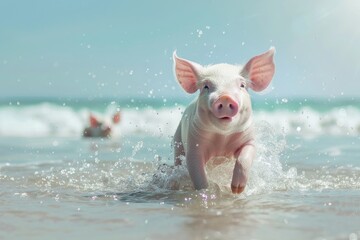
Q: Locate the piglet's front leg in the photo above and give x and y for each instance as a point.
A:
(242, 168)
(196, 167)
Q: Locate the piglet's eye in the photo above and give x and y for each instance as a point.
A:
(242, 85)
(206, 87)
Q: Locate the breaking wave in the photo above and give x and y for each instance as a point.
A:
(49, 119)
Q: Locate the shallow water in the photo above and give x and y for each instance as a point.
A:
(58, 187)
(304, 183)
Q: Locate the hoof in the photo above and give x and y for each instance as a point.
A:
(237, 190)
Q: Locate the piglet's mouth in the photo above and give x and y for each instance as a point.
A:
(225, 119)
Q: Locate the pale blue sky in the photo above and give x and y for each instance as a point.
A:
(124, 48)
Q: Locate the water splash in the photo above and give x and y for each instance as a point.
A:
(267, 173)
(152, 178)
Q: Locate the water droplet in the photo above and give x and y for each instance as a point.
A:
(353, 236)
(55, 143)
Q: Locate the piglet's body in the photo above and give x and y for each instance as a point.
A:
(219, 122)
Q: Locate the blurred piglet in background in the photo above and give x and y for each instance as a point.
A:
(219, 122)
(98, 128)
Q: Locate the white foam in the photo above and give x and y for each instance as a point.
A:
(54, 120)
(39, 120)
(308, 122)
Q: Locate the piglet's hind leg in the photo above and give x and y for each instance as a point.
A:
(179, 151)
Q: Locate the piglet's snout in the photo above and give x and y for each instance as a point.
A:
(225, 107)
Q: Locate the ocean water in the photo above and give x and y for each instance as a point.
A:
(304, 183)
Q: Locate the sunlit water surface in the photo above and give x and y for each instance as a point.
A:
(304, 183)
(57, 187)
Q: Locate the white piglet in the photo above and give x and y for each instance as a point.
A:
(219, 122)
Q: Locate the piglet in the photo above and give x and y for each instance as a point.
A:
(219, 122)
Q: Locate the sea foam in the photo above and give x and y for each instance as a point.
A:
(47, 119)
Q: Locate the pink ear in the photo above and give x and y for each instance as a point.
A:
(186, 73)
(260, 70)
